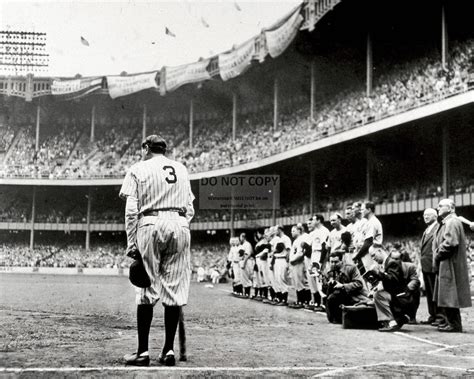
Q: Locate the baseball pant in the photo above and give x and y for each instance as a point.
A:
(237, 273)
(246, 272)
(262, 272)
(280, 271)
(164, 243)
(298, 276)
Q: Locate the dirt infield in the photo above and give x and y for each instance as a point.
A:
(56, 326)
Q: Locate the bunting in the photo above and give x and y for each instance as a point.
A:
(236, 61)
(126, 85)
(177, 76)
(75, 88)
(279, 39)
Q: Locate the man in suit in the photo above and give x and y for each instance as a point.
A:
(426, 261)
(395, 291)
(452, 290)
(410, 301)
(344, 286)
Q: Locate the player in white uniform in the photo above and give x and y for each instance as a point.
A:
(261, 260)
(335, 240)
(372, 234)
(297, 267)
(319, 236)
(269, 235)
(159, 208)
(233, 259)
(280, 269)
(247, 264)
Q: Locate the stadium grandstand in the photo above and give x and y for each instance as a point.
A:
(358, 101)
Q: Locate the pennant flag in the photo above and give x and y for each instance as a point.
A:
(84, 41)
(204, 22)
(237, 6)
(169, 32)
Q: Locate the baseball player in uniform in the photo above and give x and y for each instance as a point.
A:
(159, 208)
(264, 257)
(260, 261)
(246, 264)
(372, 234)
(281, 245)
(269, 235)
(297, 267)
(234, 261)
(319, 236)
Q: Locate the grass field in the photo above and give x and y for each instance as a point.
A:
(70, 326)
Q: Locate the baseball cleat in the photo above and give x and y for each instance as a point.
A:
(137, 360)
(168, 359)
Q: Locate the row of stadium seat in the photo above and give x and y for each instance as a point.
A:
(67, 152)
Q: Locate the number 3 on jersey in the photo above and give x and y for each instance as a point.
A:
(171, 178)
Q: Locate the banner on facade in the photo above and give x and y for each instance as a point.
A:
(280, 38)
(126, 85)
(177, 76)
(76, 88)
(235, 62)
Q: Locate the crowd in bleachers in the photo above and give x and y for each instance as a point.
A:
(7, 133)
(104, 256)
(400, 87)
(203, 255)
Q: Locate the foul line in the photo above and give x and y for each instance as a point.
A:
(422, 340)
(128, 368)
(438, 351)
(401, 364)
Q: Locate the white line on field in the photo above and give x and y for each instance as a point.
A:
(438, 351)
(400, 364)
(422, 340)
(128, 368)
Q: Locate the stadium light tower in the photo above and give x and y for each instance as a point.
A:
(23, 53)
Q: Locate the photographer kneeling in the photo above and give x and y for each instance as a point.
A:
(344, 286)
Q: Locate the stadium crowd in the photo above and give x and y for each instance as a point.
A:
(205, 256)
(68, 152)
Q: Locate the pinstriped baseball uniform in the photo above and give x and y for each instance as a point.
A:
(280, 269)
(297, 267)
(155, 190)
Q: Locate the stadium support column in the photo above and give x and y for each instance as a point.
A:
(444, 38)
(273, 206)
(37, 127)
(33, 216)
(369, 155)
(88, 220)
(445, 144)
(311, 186)
(144, 123)
(369, 64)
(275, 104)
(93, 123)
(191, 123)
(234, 115)
(313, 89)
(232, 212)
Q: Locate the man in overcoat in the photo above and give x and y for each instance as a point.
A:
(451, 290)
(426, 261)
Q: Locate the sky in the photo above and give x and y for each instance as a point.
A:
(130, 35)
